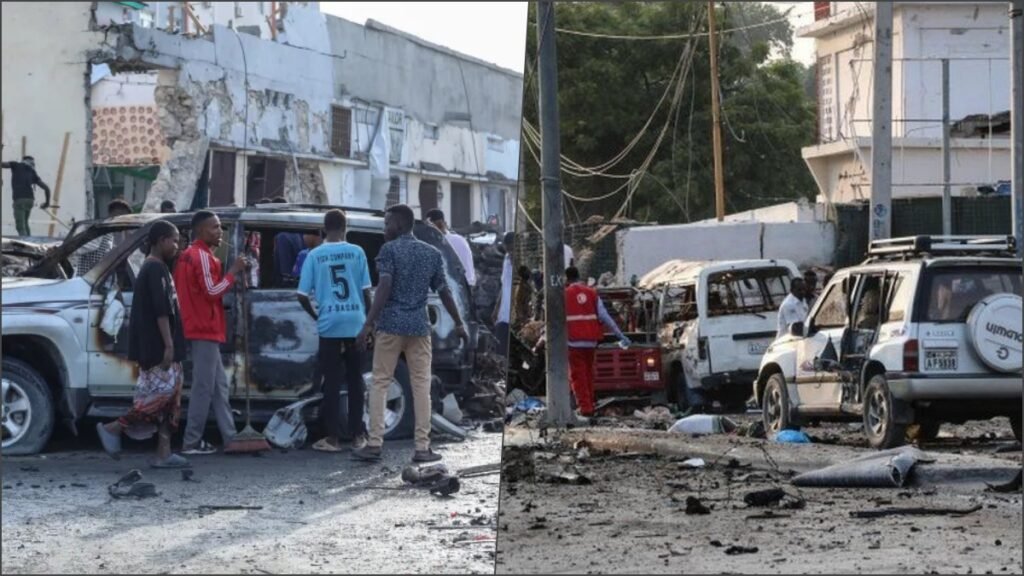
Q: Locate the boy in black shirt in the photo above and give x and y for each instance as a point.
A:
(157, 343)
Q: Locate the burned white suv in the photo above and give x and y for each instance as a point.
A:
(927, 330)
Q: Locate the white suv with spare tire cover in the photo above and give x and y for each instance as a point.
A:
(927, 330)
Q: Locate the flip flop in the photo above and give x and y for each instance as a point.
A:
(111, 443)
(323, 445)
(172, 461)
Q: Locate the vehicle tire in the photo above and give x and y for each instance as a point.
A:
(399, 416)
(1015, 423)
(879, 425)
(775, 406)
(28, 414)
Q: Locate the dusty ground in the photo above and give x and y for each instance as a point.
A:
(321, 513)
(632, 517)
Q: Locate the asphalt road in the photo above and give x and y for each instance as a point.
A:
(317, 513)
(631, 515)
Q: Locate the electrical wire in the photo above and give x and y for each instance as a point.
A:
(674, 36)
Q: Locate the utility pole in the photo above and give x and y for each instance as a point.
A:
(947, 195)
(881, 126)
(559, 411)
(716, 122)
(1017, 118)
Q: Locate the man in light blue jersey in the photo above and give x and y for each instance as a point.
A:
(337, 276)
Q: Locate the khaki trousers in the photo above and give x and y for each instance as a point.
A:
(418, 356)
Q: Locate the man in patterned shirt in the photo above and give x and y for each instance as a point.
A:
(408, 270)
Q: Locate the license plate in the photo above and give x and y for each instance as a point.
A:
(651, 376)
(940, 360)
(757, 348)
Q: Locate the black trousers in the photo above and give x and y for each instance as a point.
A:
(341, 362)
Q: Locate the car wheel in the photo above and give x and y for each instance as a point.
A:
(879, 412)
(27, 420)
(1015, 423)
(775, 406)
(399, 416)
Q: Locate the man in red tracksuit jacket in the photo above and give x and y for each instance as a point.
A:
(584, 316)
(201, 289)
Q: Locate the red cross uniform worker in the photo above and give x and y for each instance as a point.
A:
(586, 319)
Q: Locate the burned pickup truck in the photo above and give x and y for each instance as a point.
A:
(62, 360)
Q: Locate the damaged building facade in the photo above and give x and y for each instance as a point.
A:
(231, 103)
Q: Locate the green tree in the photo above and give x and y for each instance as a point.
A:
(609, 87)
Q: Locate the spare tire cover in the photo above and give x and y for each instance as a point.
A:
(994, 329)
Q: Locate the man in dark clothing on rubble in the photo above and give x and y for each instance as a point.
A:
(23, 178)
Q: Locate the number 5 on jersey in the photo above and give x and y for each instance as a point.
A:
(339, 281)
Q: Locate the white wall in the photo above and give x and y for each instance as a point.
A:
(645, 248)
(44, 93)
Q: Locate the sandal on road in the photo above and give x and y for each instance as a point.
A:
(324, 445)
(172, 461)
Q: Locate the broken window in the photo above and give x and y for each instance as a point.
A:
(265, 179)
(748, 291)
(832, 312)
(953, 292)
(341, 131)
(680, 304)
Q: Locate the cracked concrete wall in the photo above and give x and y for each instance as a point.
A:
(309, 187)
(179, 106)
(45, 93)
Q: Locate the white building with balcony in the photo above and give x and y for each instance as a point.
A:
(973, 36)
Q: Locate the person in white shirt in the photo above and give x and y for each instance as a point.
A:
(459, 243)
(503, 308)
(569, 256)
(794, 307)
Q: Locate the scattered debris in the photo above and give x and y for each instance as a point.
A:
(659, 416)
(1011, 486)
(484, 470)
(762, 498)
(130, 486)
(566, 476)
(494, 426)
(186, 475)
(734, 550)
(29, 469)
(888, 468)
(1008, 448)
(695, 507)
(287, 428)
(700, 424)
(769, 515)
(435, 478)
(451, 410)
(693, 463)
(791, 437)
(212, 508)
(914, 512)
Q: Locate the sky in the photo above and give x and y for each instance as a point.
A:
(496, 31)
(491, 31)
(802, 14)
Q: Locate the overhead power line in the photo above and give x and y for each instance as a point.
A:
(784, 18)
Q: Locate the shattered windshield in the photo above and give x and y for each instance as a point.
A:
(747, 291)
(953, 292)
